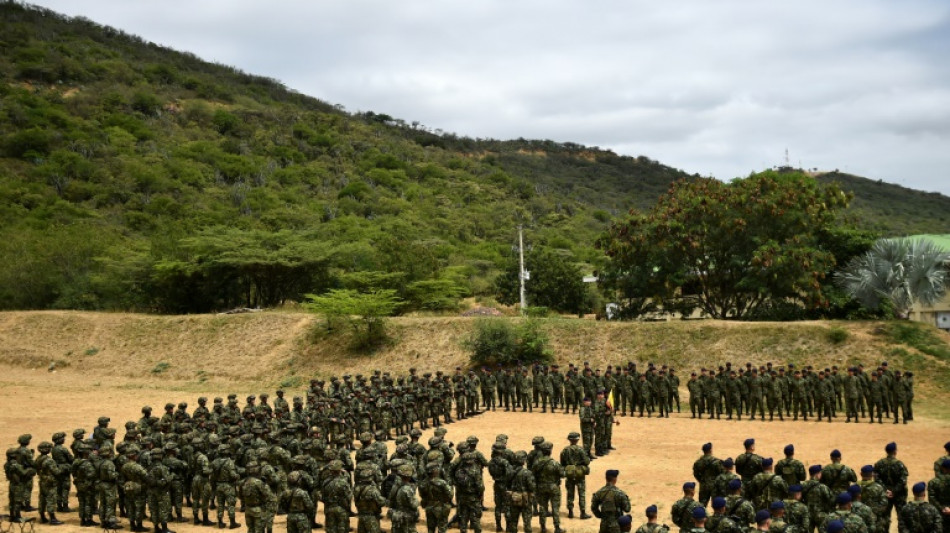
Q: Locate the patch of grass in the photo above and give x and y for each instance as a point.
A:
(291, 382)
(920, 336)
(837, 335)
(91, 351)
(161, 367)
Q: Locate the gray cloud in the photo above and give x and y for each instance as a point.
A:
(718, 88)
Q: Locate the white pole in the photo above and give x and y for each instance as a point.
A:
(524, 303)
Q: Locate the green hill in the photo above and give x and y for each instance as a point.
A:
(137, 177)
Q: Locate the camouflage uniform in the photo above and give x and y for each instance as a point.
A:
(106, 479)
(256, 495)
(892, 475)
(521, 496)
(84, 475)
(136, 487)
(548, 474)
(48, 472)
(920, 517)
(337, 496)
(64, 458)
(224, 475)
(159, 492)
(436, 495)
(298, 504)
(404, 505)
(576, 465)
(608, 504)
(705, 470)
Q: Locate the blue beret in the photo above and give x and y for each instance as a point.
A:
(699, 513)
(707, 446)
(945, 463)
(790, 449)
(625, 520)
(728, 463)
(891, 447)
(651, 510)
(835, 526)
(947, 446)
(586, 399)
(792, 489)
(814, 469)
(762, 516)
(854, 490)
(748, 442)
(767, 462)
(689, 485)
(867, 469)
(843, 498)
(735, 484)
(613, 473)
(718, 502)
(920, 488)
(835, 453)
(777, 505)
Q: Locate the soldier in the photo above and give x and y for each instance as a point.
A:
(682, 510)
(892, 474)
(298, 504)
(224, 475)
(875, 399)
(159, 492)
(106, 479)
(651, 525)
(255, 494)
(756, 396)
(796, 512)
(775, 395)
(863, 511)
(732, 393)
(939, 462)
(84, 475)
(136, 489)
(902, 393)
(938, 493)
(824, 397)
(548, 474)
(404, 504)
(749, 463)
(766, 487)
(521, 495)
(873, 495)
(919, 516)
(436, 498)
(64, 458)
(337, 497)
(525, 391)
(178, 470)
(609, 503)
(705, 470)
(48, 472)
(792, 470)
(737, 507)
(201, 490)
(576, 465)
(647, 393)
(852, 522)
(469, 491)
(836, 476)
(763, 521)
(719, 522)
(817, 497)
(721, 483)
(799, 395)
(674, 390)
(25, 455)
(588, 425)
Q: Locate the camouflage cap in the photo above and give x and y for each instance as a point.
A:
(78, 433)
(335, 465)
(24, 439)
(405, 471)
(45, 445)
(573, 435)
(537, 440)
(59, 435)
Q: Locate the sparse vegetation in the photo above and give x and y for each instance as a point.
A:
(500, 341)
(161, 367)
(838, 335)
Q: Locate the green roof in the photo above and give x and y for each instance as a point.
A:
(941, 240)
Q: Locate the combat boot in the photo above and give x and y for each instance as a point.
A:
(584, 515)
(204, 519)
(234, 525)
(570, 513)
(158, 528)
(220, 524)
(498, 525)
(43, 519)
(557, 529)
(196, 520)
(165, 528)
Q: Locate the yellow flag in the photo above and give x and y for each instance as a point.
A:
(610, 400)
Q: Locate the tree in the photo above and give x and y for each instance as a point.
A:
(725, 248)
(555, 282)
(364, 312)
(901, 271)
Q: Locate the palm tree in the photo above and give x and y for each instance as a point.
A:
(901, 271)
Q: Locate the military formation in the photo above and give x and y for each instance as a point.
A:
(269, 458)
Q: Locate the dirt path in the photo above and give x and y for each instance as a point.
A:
(654, 456)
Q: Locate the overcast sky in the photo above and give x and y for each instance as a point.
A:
(719, 88)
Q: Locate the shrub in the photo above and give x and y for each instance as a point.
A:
(838, 335)
(492, 341)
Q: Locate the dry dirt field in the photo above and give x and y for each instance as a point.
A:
(654, 456)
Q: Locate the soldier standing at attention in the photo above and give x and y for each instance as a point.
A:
(298, 503)
(938, 493)
(705, 470)
(838, 477)
(892, 474)
(159, 493)
(610, 503)
(817, 496)
(682, 510)
(588, 425)
(874, 495)
(106, 479)
(436, 496)
(792, 470)
(255, 494)
(748, 464)
(548, 474)
(64, 458)
(369, 503)
(404, 504)
(576, 465)
(919, 516)
(651, 525)
(694, 386)
(337, 497)
(48, 472)
(796, 512)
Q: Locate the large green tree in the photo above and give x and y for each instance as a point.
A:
(899, 271)
(556, 282)
(727, 249)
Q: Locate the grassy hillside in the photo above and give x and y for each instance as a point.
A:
(137, 177)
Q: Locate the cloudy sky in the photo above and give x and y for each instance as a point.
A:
(720, 87)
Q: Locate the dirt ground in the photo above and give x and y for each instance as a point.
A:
(654, 456)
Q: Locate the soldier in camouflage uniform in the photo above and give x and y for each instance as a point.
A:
(863, 511)
(298, 504)
(817, 497)
(796, 512)
(748, 463)
(521, 495)
(469, 491)
(64, 458)
(106, 479)
(792, 470)
(920, 516)
(404, 503)
(548, 474)
(705, 470)
(874, 496)
(737, 507)
(500, 469)
(436, 498)
(610, 503)
(159, 492)
(224, 474)
(837, 476)
(682, 510)
(938, 493)
(576, 465)
(48, 472)
(892, 475)
(721, 483)
(136, 489)
(852, 522)
(84, 475)
(201, 490)
(369, 502)
(766, 487)
(651, 525)
(337, 497)
(255, 494)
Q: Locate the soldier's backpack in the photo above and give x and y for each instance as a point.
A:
(498, 468)
(466, 481)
